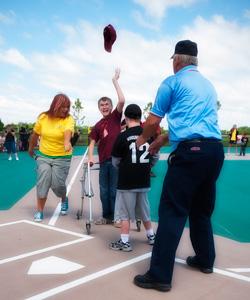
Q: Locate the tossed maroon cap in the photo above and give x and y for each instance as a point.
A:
(109, 34)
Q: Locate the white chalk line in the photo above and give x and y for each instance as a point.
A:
(114, 268)
(56, 213)
(82, 238)
(21, 256)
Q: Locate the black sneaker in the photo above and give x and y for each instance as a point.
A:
(119, 245)
(193, 263)
(147, 282)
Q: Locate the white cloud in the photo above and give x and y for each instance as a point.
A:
(158, 8)
(144, 22)
(155, 11)
(83, 69)
(223, 56)
(247, 13)
(14, 57)
(17, 109)
(7, 18)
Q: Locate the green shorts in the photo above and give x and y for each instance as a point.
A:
(52, 173)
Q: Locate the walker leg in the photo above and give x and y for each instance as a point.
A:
(80, 211)
(138, 225)
(88, 226)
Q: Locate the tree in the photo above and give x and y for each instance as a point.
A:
(78, 112)
(147, 109)
(1, 125)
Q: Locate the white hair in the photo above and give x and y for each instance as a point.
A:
(187, 59)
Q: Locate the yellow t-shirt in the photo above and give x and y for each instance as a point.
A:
(233, 137)
(51, 131)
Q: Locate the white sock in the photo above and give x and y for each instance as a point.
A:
(125, 238)
(150, 232)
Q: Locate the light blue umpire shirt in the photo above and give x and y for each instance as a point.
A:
(190, 102)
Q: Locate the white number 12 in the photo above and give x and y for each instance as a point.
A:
(142, 158)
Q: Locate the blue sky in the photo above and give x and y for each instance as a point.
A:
(51, 46)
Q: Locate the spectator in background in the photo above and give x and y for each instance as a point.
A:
(75, 137)
(233, 136)
(24, 139)
(244, 142)
(2, 140)
(10, 143)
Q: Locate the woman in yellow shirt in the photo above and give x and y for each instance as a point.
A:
(233, 137)
(53, 131)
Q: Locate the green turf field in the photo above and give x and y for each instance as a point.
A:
(231, 217)
(18, 177)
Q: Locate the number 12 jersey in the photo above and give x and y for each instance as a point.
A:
(134, 166)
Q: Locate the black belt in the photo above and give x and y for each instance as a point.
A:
(202, 140)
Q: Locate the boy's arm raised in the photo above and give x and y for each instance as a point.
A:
(121, 98)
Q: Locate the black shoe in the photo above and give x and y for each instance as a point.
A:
(147, 282)
(192, 262)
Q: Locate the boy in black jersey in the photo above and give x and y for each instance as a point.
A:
(133, 179)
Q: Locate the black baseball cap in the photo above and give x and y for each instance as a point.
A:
(133, 111)
(186, 47)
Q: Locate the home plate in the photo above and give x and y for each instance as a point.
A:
(53, 265)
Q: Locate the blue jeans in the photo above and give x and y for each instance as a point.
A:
(10, 146)
(108, 184)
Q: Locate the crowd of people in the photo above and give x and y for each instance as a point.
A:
(11, 144)
(126, 154)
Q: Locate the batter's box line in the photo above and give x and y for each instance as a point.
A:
(82, 238)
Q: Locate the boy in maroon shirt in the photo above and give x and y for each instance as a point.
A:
(105, 133)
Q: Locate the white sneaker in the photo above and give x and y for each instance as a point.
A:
(10, 158)
(151, 239)
(17, 158)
